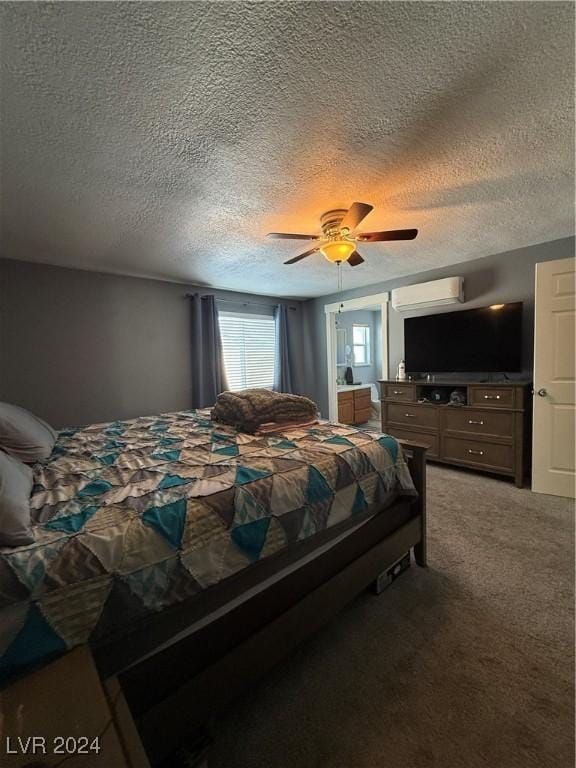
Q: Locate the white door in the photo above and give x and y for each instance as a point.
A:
(553, 455)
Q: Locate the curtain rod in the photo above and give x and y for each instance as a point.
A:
(243, 303)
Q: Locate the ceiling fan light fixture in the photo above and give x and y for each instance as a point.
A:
(338, 250)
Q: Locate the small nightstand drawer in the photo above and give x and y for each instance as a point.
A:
(400, 392)
(346, 397)
(485, 454)
(478, 422)
(413, 415)
(495, 397)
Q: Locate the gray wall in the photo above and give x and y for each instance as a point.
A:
(503, 277)
(78, 347)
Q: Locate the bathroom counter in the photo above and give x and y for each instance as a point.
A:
(350, 387)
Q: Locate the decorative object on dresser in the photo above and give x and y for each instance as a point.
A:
(354, 405)
(488, 429)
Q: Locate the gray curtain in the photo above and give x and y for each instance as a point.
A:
(282, 369)
(208, 374)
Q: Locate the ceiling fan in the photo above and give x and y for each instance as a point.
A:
(338, 239)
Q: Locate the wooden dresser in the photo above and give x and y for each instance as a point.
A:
(491, 432)
(354, 405)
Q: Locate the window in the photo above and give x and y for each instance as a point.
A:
(361, 344)
(248, 343)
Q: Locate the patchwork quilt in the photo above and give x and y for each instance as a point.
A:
(133, 516)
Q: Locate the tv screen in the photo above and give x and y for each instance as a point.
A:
(474, 340)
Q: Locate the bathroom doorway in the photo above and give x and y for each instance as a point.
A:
(357, 356)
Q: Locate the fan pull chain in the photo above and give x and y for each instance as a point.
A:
(339, 277)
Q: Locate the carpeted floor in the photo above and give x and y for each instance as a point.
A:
(467, 663)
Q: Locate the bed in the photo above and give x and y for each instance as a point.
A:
(195, 556)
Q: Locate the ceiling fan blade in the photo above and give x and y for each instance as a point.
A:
(301, 256)
(290, 236)
(392, 234)
(355, 259)
(356, 213)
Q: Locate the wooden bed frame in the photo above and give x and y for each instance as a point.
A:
(173, 681)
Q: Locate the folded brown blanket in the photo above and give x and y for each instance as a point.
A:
(248, 409)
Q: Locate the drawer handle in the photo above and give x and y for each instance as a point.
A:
(475, 453)
(491, 397)
(471, 421)
(410, 415)
(398, 392)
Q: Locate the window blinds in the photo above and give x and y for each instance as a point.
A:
(248, 344)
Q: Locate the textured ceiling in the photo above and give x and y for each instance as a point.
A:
(165, 139)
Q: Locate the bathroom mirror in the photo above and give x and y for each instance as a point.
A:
(340, 346)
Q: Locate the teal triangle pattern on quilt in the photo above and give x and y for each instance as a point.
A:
(172, 481)
(168, 521)
(286, 444)
(167, 455)
(359, 501)
(169, 440)
(57, 451)
(116, 430)
(339, 440)
(36, 640)
(95, 488)
(248, 475)
(67, 432)
(30, 565)
(317, 489)
(151, 585)
(219, 438)
(250, 537)
(228, 450)
(109, 444)
(391, 444)
(108, 458)
(71, 523)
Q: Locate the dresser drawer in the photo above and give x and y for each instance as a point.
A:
(495, 397)
(346, 397)
(400, 392)
(478, 422)
(413, 415)
(428, 439)
(483, 454)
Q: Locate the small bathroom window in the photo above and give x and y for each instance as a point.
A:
(361, 344)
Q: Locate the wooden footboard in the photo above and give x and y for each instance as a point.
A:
(416, 458)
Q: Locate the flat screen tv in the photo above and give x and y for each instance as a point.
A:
(482, 340)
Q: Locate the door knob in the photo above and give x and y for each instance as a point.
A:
(542, 393)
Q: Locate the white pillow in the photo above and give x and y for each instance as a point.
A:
(23, 435)
(15, 492)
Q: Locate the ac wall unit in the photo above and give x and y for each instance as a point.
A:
(436, 293)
